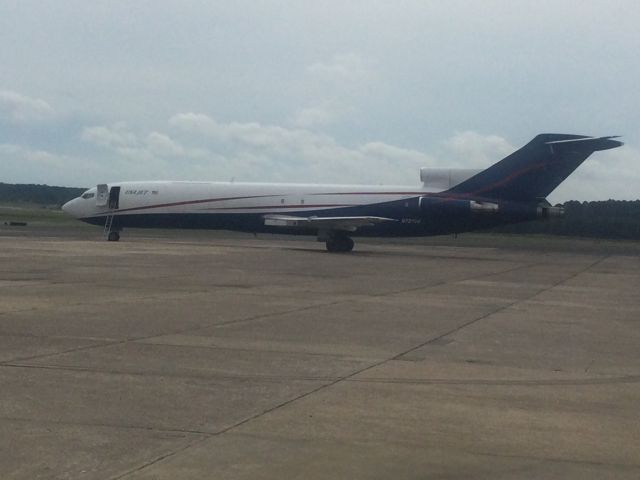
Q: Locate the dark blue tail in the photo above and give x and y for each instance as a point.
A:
(535, 170)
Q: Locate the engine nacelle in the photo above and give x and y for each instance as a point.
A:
(550, 212)
(445, 178)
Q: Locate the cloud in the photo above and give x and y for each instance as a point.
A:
(116, 136)
(341, 68)
(164, 146)
(121, 140)
(21, 109)
(320, 115)
(31, 156)
(294, 154)
(471, 149)
(612, 174)
(23, 164)
(249, 135)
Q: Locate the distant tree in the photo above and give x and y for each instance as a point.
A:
(38, 194)
(602, 219)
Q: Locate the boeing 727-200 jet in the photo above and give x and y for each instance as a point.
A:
(449, 200)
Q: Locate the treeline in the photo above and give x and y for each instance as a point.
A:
(37, 194)
(604, 219)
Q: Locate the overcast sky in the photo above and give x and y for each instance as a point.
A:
(325, 91)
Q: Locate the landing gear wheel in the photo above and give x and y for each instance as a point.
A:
(113, 236)
(339, 244)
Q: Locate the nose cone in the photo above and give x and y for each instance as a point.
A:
(72, 208)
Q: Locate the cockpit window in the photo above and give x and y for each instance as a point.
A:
(88, 195)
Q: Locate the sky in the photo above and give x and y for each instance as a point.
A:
(363, 91)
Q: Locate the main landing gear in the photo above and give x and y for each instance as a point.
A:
(338, 242)
(113, 236)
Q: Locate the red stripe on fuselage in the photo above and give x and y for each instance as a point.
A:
(502, 181)
(193, 202)
(328, 205)
(211, 200)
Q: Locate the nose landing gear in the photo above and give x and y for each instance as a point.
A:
(113, 236)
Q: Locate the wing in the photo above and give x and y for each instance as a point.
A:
(349, 224)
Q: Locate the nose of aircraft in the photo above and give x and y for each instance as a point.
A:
(71, 207)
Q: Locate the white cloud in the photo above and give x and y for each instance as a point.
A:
(116, 136)
(249, 135)
(22, 164)
(294, 154)
(21, 109)
(121, 140)
(31, 156)
(612, 174)
(320, 115)
(471, 149)
(164, 146)
(341, 68)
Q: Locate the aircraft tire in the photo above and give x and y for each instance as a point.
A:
(340, 244)
(348, 246)
(113, 236)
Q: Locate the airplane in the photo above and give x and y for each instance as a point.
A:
(449, 200)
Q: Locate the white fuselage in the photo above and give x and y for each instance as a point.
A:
(170, 197)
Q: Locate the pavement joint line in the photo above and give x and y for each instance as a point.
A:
(603, 380)
(161, 457)
(86, 304)
(313, 391)
(554, 459)
(211, 376)
(115, 341)
(263, 316)
(134, 339)
(201, 433)
(446, 282)
(58, 337)
(501, 308)
(341, 356)
(360, 297)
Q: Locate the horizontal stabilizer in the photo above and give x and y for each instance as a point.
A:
(591, 143)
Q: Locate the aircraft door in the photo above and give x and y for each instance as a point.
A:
(114, 198)
(103, 195)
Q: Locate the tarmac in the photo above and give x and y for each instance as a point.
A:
(197, 355)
